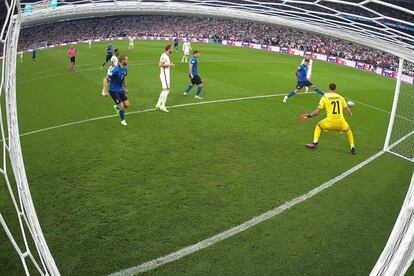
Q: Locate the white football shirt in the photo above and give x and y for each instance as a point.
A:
(165, 71)
(114, 60)
(187, 47)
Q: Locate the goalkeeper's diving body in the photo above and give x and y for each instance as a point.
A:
(334, 105)
(302, 76)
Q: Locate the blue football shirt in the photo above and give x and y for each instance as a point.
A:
(117, 79)
(194, 62)
(302, 72)
(109, 50)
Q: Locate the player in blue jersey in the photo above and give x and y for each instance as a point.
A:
(301, 74)
(109, 53)
(34, 52)
(176, 42)
(118, 88)
(194, 76)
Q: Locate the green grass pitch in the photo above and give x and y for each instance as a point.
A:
(110, 197)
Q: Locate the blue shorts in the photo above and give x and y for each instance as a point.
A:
(302, 84)
(196, 80)
(118, 97)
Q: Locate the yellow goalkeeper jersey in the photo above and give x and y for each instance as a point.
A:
(334, 105)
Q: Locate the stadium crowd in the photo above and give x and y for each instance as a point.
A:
(213, 28)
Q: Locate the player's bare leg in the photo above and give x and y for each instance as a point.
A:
(105, 83)
(72, 67)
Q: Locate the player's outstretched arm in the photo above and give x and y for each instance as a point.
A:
(310, 115)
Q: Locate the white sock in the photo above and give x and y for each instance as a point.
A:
(160, 98)
(164, 95)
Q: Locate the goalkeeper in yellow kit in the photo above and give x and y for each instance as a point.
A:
(334, 104)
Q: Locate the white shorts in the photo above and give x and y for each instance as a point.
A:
(165, 82)
(187, 52)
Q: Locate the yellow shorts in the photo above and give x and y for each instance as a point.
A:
(337, 125)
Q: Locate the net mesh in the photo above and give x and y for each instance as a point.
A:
(27, 238)
(402, 132)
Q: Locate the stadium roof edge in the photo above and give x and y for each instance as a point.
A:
(103, 9)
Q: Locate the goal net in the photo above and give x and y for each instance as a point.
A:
(400, 136)
(27, 238)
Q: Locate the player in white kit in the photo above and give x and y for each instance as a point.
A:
(131, 44)
(21, 57)
(186, 51)
(309, 74)
(165, 65)
(89, 43)
(105, 81)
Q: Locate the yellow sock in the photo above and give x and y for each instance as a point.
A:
(316, 134)
(350, 138)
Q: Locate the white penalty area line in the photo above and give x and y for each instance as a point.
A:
(242, 227)
(153, 109)
(177, 106)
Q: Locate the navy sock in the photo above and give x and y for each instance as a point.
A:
(291, 94)
(122, 114)
(319, 91)
(189, 88)
(199, 90)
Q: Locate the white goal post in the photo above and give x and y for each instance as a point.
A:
(400, 133)
(398, 254)
(324, 17)
(40, 257)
